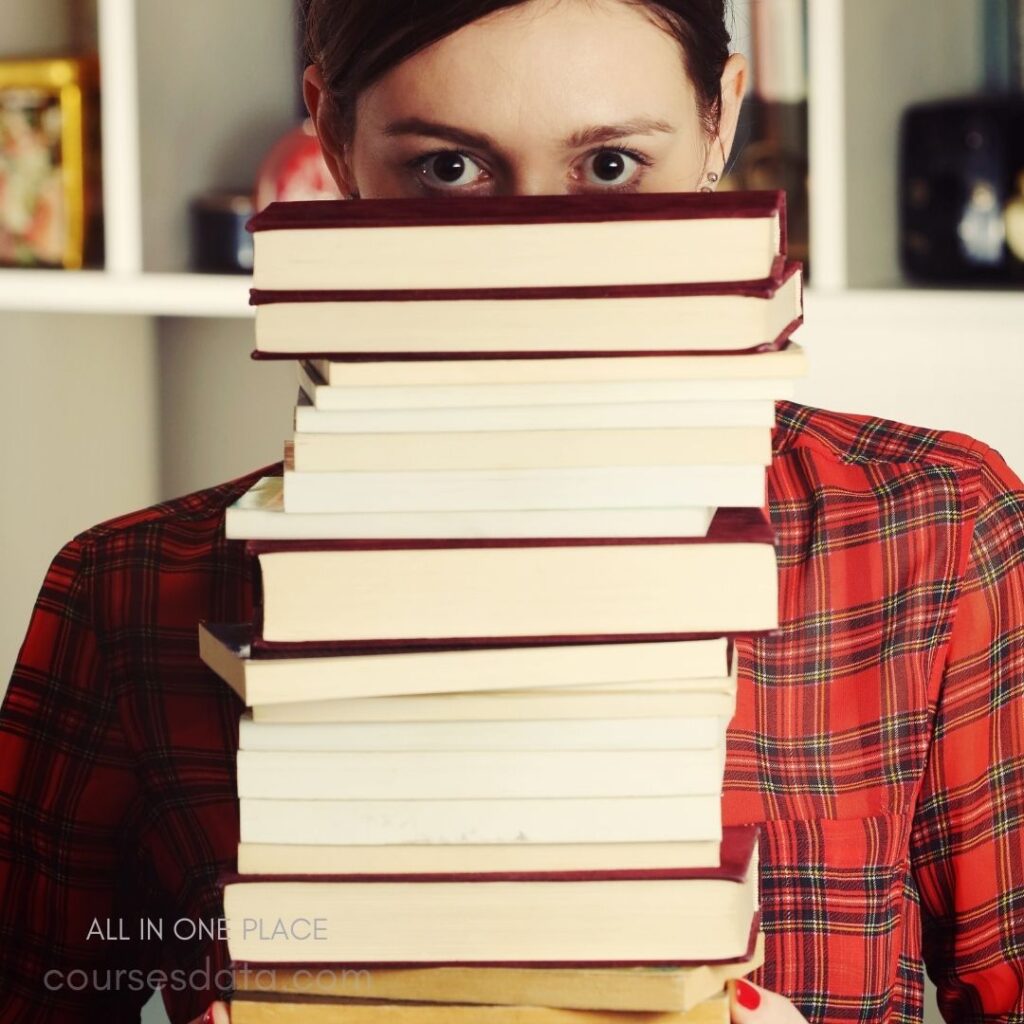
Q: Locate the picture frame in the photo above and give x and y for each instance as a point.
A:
(49, 162)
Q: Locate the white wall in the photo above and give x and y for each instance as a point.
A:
(222, 414)
(943, 361)
(78, 443)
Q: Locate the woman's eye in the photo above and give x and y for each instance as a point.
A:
(610, 167)
(448, 169)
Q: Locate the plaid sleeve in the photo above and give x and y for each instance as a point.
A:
(967, 844)
(66, 784)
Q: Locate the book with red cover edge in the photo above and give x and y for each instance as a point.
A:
(545, 209)
(728, 525)
(736, 848)
(755, 928)
(238, 638)
(765, 288)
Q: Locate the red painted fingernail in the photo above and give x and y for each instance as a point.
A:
(208, 1016)
(747, 995)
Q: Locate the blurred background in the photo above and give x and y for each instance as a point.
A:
(136, 137)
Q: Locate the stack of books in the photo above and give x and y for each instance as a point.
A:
(521, 521)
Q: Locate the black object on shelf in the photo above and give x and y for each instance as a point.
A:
(220, 243)
(959, 164)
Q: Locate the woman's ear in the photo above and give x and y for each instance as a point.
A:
(734, 85)
(335, 153)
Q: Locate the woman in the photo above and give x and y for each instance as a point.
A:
(878, 738)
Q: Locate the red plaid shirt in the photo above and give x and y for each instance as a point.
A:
(879, 739)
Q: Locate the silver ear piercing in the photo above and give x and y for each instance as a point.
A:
(712, 177)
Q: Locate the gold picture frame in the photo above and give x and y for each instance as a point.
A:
(49, 161)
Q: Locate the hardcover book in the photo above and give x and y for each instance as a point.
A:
(674, 665)
(329, 595)
(699, 318)
(624, 989)
(668, 917)
(520, 241)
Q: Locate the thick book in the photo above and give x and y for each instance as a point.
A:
(260, 514)
(391, 371)
(254, 1007)
(674, 916)
(477, 774)
(428, 858)
(627, 990)
(530, 449)
(338, 594)
(520, 241)
(695, 664)
(607, 392)
(520, 490)
(700, 318)
(605, 734)
(751, 412)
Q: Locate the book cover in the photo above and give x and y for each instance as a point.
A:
(748, 527)
(520, 241)
(730, 887)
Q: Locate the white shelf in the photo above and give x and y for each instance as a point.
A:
(97, 291)
(227, 295)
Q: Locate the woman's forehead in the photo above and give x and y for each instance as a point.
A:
(547, 68)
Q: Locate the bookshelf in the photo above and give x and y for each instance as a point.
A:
(170, 135)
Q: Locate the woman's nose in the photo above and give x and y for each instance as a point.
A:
(536, 181)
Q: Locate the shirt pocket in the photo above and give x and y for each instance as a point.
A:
(832, 909)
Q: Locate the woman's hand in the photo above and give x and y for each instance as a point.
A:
(216, 1013)
(751, 1004)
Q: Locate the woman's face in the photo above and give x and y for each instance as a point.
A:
(548, 97)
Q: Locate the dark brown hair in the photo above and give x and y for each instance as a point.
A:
(356, 42)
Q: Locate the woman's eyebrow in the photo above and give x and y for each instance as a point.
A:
(590, 136)
(598, 133)
(418, 126)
